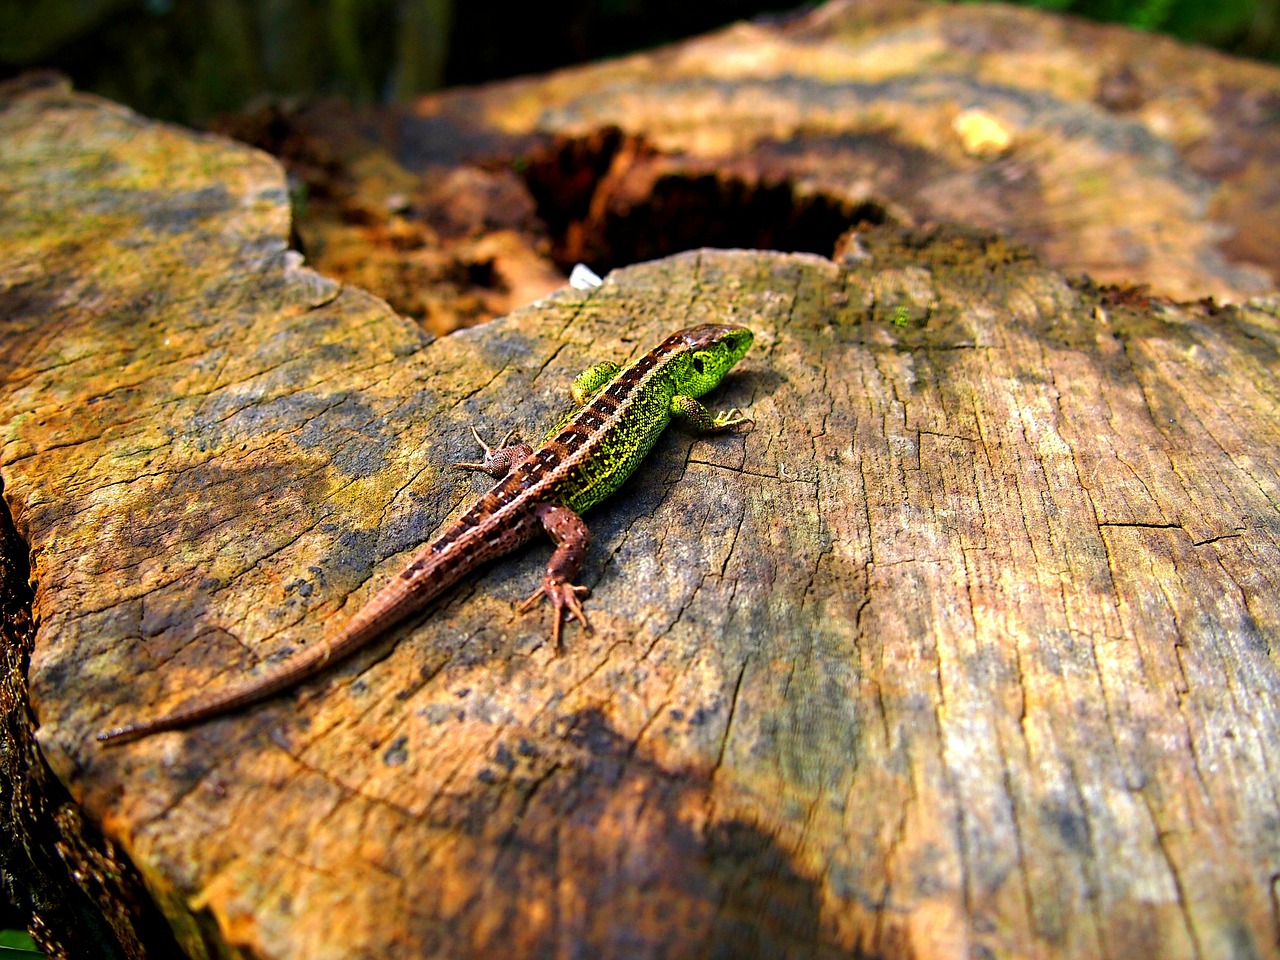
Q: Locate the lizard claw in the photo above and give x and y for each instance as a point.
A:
(731, 418)
(563, 596)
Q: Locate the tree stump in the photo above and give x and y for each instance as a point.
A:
(1109, 151)
(969, 648)
(1131, 157)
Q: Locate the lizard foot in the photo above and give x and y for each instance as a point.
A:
(563, 597)
(731, 418)
(498, 460)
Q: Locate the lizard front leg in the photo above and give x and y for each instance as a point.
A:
(592, 380)
(571, 538)
(498, 461)
(697, 416)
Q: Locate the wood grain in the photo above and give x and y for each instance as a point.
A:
(968, 649)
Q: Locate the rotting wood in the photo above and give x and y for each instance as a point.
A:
(1109, 151)
(969, 647)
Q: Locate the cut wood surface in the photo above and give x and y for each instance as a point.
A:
(1108, 151)
(968, 649)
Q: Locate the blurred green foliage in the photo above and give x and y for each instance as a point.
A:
(17, 945)
(1243, 27)
(192, 59)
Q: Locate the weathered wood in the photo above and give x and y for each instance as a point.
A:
(1132, 157)
(969, 648)
(449, 246)
(1109, 151)
(86, 900)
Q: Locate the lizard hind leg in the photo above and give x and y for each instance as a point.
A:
(564, 597)
(499, 460)
(571, 538)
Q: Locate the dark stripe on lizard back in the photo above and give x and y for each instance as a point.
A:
(573, 441)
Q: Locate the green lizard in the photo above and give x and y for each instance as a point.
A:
(620, 415)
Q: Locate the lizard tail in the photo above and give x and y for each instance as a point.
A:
(394, 602)
(243, 694)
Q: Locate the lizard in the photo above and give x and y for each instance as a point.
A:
(618, 415)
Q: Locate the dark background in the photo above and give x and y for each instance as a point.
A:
(190, 60)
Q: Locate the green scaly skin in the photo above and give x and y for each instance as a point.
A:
(620, 415)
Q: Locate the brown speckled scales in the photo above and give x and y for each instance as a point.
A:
(578, 465)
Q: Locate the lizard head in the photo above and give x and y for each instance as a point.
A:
(712, 349)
